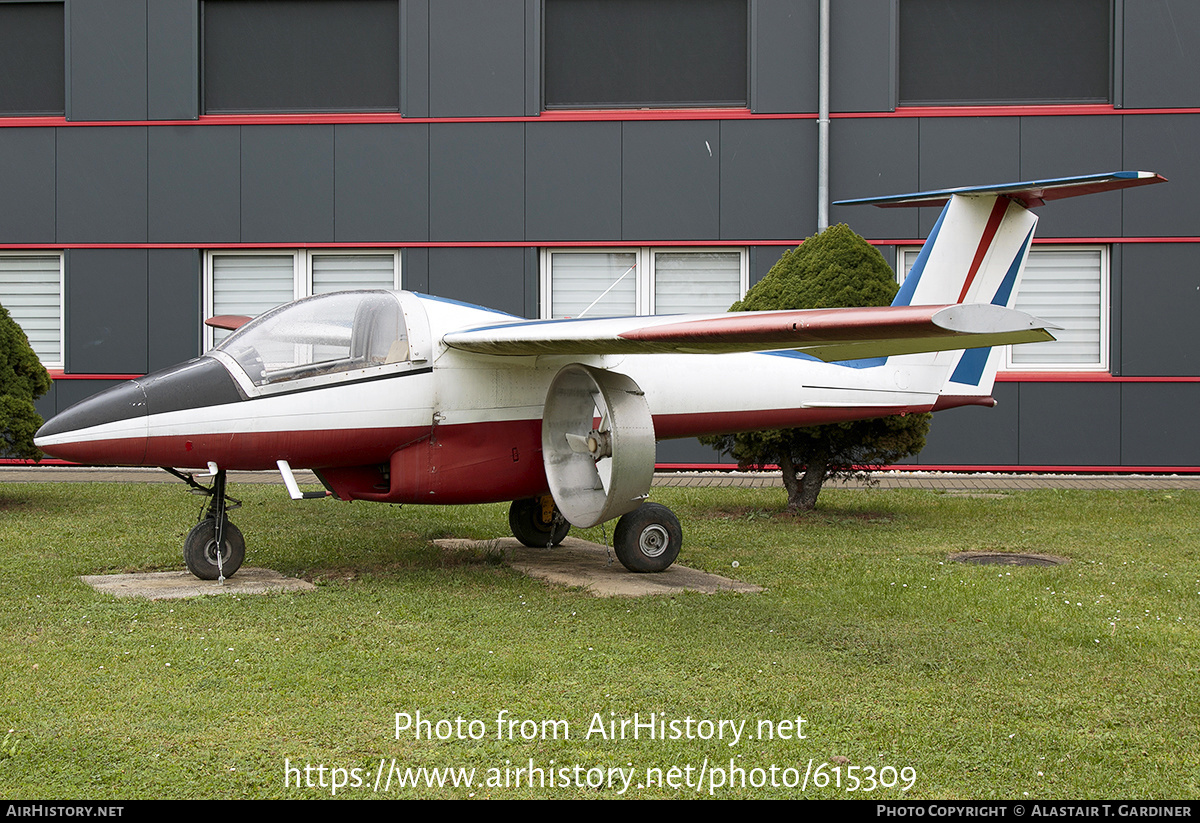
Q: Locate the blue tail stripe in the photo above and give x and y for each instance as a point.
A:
(969, 370)
(905, 295)
(1010, 277)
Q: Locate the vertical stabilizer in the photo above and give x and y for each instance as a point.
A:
(976, 254)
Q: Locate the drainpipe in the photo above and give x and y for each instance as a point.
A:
(823, 123)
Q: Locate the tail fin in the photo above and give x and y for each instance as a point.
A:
(976, 254)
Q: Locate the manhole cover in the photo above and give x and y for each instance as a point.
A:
(1008, 559)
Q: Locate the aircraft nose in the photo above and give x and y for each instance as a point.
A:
(130, 424)
(109, 427)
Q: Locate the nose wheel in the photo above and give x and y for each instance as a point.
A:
(202, 555)
(214, 549)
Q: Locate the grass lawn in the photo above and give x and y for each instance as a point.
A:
(953, 681)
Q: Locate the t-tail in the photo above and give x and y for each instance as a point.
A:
(976, 254)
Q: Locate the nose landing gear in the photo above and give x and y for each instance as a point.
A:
(215, 548)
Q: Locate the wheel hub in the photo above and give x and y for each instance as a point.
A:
(210, 552)
(654, 540)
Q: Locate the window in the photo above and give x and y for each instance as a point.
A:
(1066, 286)
(301, 55)
(32, 68)
(611, 283)
(31, 290)
(645, 53)
(1008, 52)
(251, 283)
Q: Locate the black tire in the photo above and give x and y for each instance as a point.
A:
(200, 550)
(525, 521)
(648, 539)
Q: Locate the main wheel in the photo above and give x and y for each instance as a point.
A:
(529, 523)
(648, 539)
(200, 550)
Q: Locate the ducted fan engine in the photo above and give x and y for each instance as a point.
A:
(597, 471)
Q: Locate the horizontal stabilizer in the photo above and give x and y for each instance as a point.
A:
(828, 334)
(1029, 193)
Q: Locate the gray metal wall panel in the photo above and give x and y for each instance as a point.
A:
(1165, 143)
(533, 283)
(573, 181)
(194, 184)
(868, 158)
(1159, 424)
(477, 181)
(107, 311)
(47, 405)
(27, 170)
(414, 269)
(1160, 301)
(491, 277)
(1161, 62)
(967, 151)
(533, 57)
(173, 60)
(1070, 424)
(861, 62)
(414, 58)
(381, 183)
(174, 306)
(101, 184)
(974, 435)
(689, 450)
(784, 56)
(477, 58)
(287, 184)
(107, 56)
(762, 259)
(1062, 146)
(670, 181)
(768, 179)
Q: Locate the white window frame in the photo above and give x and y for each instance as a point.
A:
(48, 362)
(1105, 304)
(644, 274)
(302, 273)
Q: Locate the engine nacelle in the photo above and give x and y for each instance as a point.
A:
(597, 472)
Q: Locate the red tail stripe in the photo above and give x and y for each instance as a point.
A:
(985, 242)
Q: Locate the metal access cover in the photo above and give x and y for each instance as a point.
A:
(1008, 559)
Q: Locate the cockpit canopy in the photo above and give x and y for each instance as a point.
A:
(326, 334)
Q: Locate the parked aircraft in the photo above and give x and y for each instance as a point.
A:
(399, 397)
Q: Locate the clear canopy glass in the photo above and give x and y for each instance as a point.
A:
(326, 334)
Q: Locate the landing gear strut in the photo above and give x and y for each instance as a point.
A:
(214, 549)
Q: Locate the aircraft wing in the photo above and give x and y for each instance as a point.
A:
(827, 334)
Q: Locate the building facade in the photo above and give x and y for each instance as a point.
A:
(162, 161)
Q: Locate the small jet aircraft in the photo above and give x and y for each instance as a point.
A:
(400, 397)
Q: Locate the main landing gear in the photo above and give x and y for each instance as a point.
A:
(214, 549)
(646, 539)
(537, 522)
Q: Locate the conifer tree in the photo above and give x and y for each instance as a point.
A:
(833, 269)
(23, 379)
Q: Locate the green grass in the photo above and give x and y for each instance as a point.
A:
(988, 682)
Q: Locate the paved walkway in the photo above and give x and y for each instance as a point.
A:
(941, 481)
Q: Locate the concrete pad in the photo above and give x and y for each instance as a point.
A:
(594, 568)
(178, 585)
